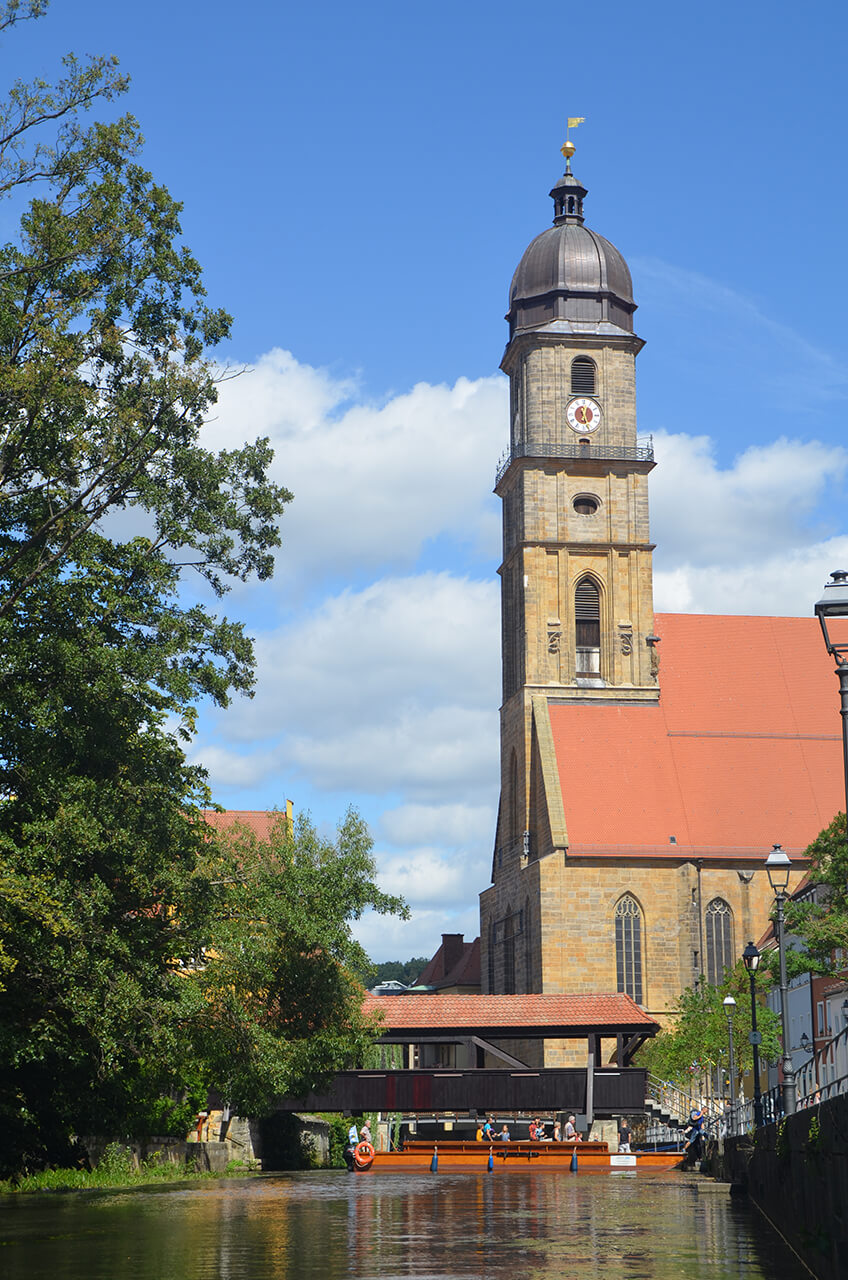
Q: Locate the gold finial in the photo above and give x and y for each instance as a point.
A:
(569, 148)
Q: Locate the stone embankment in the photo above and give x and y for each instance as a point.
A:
(796, 1173)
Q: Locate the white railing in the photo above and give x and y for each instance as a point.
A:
(826, 1073)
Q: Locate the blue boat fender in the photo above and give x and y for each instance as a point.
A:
(434, 1163)
(491, 1162)
(574, 1160)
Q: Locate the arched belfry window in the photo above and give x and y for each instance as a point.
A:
(719, 940)
(587, 621)
(583, 375)
(628, 947)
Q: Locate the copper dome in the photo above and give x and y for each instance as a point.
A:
(571, 274)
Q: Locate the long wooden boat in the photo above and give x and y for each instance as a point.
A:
(519, 1157)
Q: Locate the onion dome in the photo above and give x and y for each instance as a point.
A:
(570, 279)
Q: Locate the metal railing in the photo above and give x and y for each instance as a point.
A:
(592, 452)
(823, 1076)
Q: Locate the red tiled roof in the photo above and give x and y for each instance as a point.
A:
(742, 751)
(259, 821)
(464, 973)
(476, 1013)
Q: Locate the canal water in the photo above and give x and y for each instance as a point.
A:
(331, 1226)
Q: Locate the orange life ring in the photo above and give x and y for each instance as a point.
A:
(363, 1155)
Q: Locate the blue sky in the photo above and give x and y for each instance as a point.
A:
(359, 184)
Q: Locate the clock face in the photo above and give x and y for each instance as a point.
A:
(583, 414)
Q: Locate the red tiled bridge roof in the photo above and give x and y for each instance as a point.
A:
(558, 1016)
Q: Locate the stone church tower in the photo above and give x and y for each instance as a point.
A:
(617, 864)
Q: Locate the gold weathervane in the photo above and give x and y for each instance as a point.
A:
(569, 148)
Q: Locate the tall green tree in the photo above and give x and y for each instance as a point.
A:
(280, 1000)
(697, 1041)
(108, 497)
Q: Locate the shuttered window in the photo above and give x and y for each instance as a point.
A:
(583, 375)
(587, 615)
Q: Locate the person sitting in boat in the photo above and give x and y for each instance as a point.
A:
(571, 1134)
(534, 1130)
(541, 1135)
(504, 1134)
(489, 1133)
(557, 1131)
(365, 1132)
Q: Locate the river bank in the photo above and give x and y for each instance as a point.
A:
(118, 1168)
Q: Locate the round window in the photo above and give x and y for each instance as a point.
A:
(585, 504)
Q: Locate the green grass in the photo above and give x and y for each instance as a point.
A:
(116, 1169)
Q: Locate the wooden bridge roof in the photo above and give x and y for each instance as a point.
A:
(558, 1017)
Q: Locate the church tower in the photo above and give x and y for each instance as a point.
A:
(633, 822)
(576, 587)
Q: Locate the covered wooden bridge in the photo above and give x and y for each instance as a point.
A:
(476, 1054)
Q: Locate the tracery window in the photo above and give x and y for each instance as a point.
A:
(719, 940)
(628, 947)
(583, 375)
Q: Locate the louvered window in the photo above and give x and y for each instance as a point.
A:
(720, 957)
(587, 614)
(628, 947)
(583, 375)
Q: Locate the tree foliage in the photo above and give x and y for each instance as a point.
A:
(108, 497)
(280, 1002)
(697, 1042)
(822, 925)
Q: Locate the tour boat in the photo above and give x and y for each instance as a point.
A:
(451, 1156)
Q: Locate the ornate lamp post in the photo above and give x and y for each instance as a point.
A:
(778, 867)
(730, 1008)
(751, 960)
(832, 606)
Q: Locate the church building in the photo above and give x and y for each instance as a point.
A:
(649, 762)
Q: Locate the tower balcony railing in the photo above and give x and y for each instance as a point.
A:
(642, 451)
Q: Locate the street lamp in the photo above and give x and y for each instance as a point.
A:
(832, 606)
(751, 960)
(730, 1009)
(845, 1010)
(778, 867)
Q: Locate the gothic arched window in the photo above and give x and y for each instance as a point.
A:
(509, 953)
(587, 620)
(719, 940)
(628, 947)
(583, 375)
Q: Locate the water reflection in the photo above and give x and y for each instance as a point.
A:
(334, 1226)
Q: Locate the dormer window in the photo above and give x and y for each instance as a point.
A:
(583, 375)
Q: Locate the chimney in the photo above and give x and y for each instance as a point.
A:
(453, 949)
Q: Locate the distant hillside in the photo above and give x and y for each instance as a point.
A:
(401, 971)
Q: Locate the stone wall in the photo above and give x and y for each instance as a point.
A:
(796, 1174)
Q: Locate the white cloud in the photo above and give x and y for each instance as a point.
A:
(392, 687)
(742, 539)
(704, 514)
(373, 484)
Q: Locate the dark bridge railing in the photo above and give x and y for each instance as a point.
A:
(548, 1089)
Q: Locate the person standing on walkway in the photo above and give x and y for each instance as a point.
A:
(624, 1136)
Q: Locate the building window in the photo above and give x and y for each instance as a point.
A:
(583, 375)
(587, 616)
(628, 947)
(719, 940)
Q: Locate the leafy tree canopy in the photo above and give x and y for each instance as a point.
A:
(279, 1003)
(406, 971)
(697, 1042)
(105, 384)
(821, 926)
